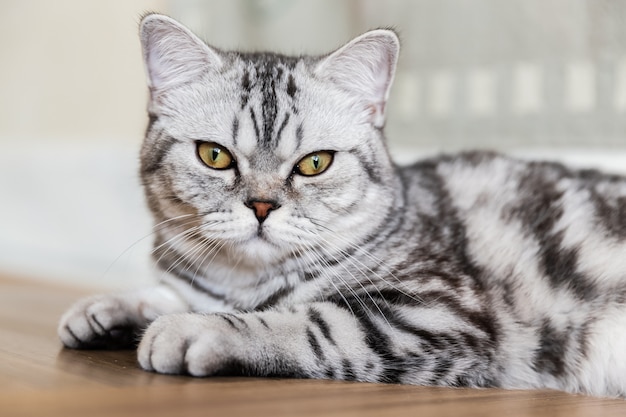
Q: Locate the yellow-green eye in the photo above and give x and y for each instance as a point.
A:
(314, 163)
(214, 155)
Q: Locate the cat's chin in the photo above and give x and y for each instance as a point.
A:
(258, 252)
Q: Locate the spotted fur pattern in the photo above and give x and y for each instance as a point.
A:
(469, 270)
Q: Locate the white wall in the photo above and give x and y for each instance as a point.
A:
(71, 70)
(72, 115)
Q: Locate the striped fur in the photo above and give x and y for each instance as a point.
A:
(467, 270)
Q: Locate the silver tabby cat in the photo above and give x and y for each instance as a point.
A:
(289, 244)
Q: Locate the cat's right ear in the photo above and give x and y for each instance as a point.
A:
(365, 68)
(172, 54)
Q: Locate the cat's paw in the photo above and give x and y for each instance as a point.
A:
(104, 321)
(194, 344)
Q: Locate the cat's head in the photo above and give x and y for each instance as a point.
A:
(265, 156)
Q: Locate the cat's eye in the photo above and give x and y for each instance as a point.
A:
(314, 163)
(215, 156)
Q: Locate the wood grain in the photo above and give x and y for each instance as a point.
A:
(40, 378)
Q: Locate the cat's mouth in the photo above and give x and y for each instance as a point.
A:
(263, 236)
(260, 249)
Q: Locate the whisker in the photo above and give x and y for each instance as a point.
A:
(191, 231)
(373, 259)
(212, 247)
(296, 256)
(319, 261)
(354, 279)
(155, 229)
(170, 243)
(188, 257)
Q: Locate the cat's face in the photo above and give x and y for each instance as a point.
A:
(263, 156)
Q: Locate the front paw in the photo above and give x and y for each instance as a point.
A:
(103, 321)
(194, 344)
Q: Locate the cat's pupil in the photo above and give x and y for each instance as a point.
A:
(215, 154)
(315, 160)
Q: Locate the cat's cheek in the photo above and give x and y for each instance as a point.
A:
(191, 344)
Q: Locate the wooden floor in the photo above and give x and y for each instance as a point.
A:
(40, 378)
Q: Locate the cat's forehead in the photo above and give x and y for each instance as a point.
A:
(267, 65)
(269, 118)
(263, 104)
(269, 81)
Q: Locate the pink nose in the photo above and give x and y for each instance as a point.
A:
(262, 208)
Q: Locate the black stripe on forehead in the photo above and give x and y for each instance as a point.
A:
(245, 88)
(266, 75)
(291, 86)
(269, 102)
(299, 135)
(279, 134)
(235, 130)
(255, 124)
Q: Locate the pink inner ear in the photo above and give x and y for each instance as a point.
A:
(173, 55)
(377, 114)
(155, 70)
(174, 59)
(365, 68)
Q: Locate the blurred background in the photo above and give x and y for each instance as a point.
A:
(535, 78)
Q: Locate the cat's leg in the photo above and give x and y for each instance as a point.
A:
(116, 320)
(320, 340)
(299, 342)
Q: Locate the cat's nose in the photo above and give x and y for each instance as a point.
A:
(262, 208)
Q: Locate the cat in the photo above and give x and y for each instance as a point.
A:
(289, 244)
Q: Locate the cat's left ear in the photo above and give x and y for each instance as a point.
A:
(173, 55)
(365, 67)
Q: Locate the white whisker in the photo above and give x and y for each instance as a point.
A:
(155, 229)
(371, 257)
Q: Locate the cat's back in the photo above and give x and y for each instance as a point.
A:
(569, 224)
(548, 245)
(535, 194)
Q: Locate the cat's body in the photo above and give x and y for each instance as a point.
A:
(280, 215)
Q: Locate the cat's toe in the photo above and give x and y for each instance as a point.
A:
(75, 332)
(97, 322)
(184, 344)
(164, 345)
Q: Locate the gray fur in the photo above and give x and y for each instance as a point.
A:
(467, 270)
